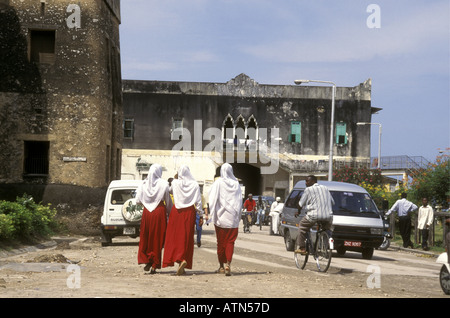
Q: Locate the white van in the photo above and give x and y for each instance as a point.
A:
(121, 216)
(357, 223)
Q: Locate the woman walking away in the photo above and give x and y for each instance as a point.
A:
(225, 208)
(179, 247)
(153, 194)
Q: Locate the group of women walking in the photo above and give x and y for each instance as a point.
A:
(169, 224)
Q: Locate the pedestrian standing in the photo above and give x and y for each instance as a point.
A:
(153, 194)
(225, 209)
(199, 221)
(275, 210)
(404, 209)
(425, 219)
(261, 209)
(179, 246)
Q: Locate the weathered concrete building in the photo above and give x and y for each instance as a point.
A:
(60, 99)
(272, 134)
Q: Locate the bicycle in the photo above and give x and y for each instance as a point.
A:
(247, 219)
(321, 249)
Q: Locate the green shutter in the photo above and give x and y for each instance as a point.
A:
(296, 132)
(341, 133)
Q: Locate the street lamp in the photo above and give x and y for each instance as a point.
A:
(379, 140)
(333, 96)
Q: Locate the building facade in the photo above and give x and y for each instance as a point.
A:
(273, 135)
(60, 99)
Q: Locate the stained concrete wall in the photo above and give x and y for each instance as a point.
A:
(73, 100)
(154, 104)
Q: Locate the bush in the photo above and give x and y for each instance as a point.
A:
(24, 219)
(372, 181)
(6, 227)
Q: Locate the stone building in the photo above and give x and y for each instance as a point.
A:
(272, 134)
(60, 99)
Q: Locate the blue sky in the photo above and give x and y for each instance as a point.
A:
(276, 42)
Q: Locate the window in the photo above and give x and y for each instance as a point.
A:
(354, 204)
(42, 46)
(177, 129)
(128, 128)
(296, 132)
(36, 157)
(292, 201)
(341, 133)
(119, 197)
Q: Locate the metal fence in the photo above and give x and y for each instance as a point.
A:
(438, 221)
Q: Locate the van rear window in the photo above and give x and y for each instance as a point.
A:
(354, 204)
(119, 197)
(292, 201)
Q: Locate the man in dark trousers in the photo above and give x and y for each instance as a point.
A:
(404, 209)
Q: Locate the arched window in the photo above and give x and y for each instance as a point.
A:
(228, 131)
(252, 133)
(239, 133)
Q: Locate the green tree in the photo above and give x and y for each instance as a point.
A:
(432, 182)
(371, 180)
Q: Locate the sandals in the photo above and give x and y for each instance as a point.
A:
(227, 270)
(181, 270)
(148, 266)
(301, 251)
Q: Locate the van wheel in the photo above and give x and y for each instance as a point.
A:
(340, 250)
(367, 252)
(106, 239)
(290, 244)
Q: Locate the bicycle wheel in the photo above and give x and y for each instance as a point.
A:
(323, 252)
(444, 279)
(301, 259)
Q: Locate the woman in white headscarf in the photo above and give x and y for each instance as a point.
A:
(225, 206)
(187, 199)
(154, 195)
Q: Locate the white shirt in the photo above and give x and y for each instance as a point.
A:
(275, 207)
(403, 207)
(425, 217)
(225, 199)
(318, 202)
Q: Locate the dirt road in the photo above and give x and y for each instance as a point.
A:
(80, 267)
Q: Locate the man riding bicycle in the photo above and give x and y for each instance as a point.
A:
(318, 203)
(249, 208)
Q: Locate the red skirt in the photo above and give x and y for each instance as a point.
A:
(225, 243)
(179, 244)
(152, 236)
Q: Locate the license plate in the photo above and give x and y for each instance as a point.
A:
(129, 230)
(352, 244)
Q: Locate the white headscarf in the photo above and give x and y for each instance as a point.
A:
(154, 189)
(186, 191)
(225, 199)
